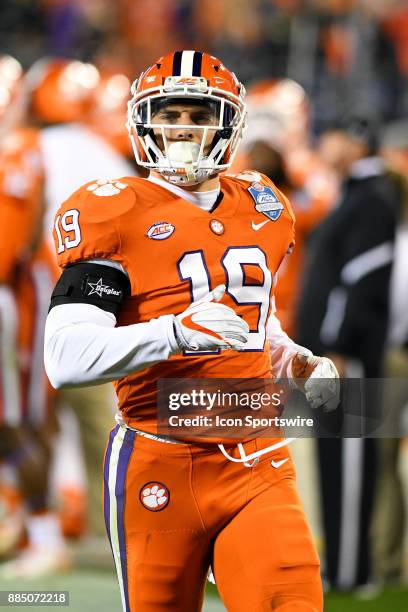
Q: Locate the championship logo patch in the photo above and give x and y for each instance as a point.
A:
(154, 496)
(160, 230)
(266, 201)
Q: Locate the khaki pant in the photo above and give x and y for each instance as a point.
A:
(94, 408)
(389, 513)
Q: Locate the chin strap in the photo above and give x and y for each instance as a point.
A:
(252, 459)
(190, 174)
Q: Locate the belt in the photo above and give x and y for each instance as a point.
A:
(146, 434)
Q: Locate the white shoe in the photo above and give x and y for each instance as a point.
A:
(33, 563)
(368, 591)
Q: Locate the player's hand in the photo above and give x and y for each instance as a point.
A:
(207, 325)
(319, 380)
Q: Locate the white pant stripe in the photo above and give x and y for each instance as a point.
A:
(113, 523)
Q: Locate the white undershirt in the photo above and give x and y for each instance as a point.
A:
(203, 199)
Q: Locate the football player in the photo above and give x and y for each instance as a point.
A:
(27, 275)
(172, 277)
(63, 92)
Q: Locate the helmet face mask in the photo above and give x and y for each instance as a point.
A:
(214, 110)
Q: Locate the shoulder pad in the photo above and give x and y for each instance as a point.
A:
(20, 140)
(248, 176)
(102, 199)
(263, 191)
(19, 181)
(89, 223)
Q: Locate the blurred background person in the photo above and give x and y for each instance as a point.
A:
(76, 113)
(47, 140)
(77, 116)
(278, 145)
(28, 272)
(344, 312)
(390, 507)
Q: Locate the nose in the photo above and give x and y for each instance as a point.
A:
(183, 133)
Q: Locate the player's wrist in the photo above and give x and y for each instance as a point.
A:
(179, 339)
(169, 324)
(318, 379)
(302, 365)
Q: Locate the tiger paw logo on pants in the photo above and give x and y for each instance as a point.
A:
(154, 496)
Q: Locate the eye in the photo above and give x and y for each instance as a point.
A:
(202, 118)
(168, 117)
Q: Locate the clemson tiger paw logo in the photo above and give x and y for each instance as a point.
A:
(106, 187)
(154, 496)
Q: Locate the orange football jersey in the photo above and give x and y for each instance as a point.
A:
(27, 265)
(21, 186)
(174, 253)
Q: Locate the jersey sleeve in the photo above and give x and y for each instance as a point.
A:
(88, 224)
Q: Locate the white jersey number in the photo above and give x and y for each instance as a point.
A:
(192, 266)
(68, 223)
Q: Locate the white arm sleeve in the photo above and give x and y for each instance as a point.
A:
(83, 346)
(282, 348)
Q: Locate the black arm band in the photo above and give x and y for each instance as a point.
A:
(91, 283)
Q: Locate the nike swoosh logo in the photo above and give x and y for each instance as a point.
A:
(277, 464)
(257, 226)
(188, 322)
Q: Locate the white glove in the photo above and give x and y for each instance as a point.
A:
(207, 326)
(322, 384)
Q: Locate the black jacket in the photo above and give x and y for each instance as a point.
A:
(344, 303)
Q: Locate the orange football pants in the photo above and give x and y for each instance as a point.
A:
(172, 510)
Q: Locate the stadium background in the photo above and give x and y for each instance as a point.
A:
(346, 54)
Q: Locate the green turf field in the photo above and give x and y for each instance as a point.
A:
(391, 600)
(97, 591)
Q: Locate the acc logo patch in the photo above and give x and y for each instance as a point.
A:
(266, 200)
(154, 496)
(106, 187)
(160, 230)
